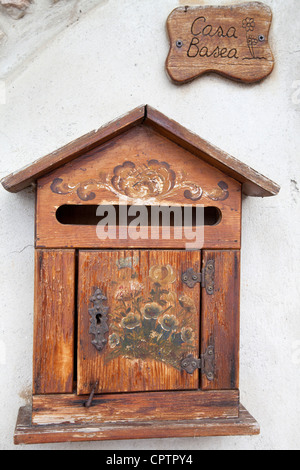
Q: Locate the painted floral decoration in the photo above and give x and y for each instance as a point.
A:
(187, 335)
(129, 290)
(168, 322)
(158, 325)
(187, 303)
(151, 311)
(131, 321)
(113, 340)
(149, 180)
(163, 275)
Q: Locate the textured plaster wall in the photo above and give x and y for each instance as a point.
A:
(68, 67)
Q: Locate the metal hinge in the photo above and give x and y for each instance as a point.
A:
(206, 278)
(206, 363)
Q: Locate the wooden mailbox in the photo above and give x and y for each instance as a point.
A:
(136, 336)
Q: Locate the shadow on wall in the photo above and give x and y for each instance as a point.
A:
(39, 23)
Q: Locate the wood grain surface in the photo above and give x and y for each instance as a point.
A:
(54, 313)
(138, 365)
(26, 433)
(220, 319)
(229, 40)
(148, 406)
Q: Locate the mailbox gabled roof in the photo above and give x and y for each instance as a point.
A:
(253, 183)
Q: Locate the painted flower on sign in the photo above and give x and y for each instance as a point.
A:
(252, 40)
(249, 24)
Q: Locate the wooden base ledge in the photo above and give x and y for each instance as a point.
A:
(26, 433)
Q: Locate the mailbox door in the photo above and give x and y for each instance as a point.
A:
(137, 320)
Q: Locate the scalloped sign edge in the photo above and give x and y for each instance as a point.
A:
(232, 41)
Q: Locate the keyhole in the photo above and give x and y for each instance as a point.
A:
(98, 318)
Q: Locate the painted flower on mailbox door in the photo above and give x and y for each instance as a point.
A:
(128, 291)
(168, 322)
(151, 311)
(113, 340)
(131, 321)
(187, 335)
(154, 323)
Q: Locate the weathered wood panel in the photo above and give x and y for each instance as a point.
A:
(26, 433)
(228, 40)
(148, 406)
(153, 322)
(53, 340)
(220, 320)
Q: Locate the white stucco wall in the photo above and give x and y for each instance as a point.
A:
(68, 67)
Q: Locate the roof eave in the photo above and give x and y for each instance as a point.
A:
(20, 179)
(253, 183)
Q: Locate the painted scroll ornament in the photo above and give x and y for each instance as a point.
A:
(231, 41)
(151, 180)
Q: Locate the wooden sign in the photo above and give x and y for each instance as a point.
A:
(231, 41)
